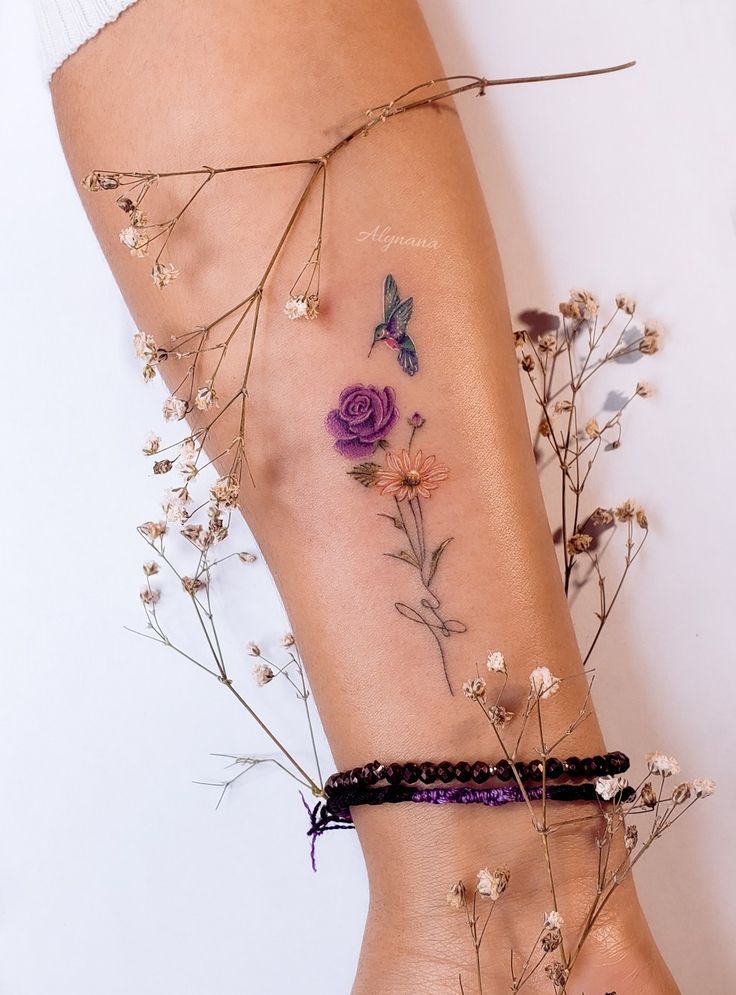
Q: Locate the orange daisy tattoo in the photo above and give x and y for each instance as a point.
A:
(406, 476)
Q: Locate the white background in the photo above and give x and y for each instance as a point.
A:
(117, 876)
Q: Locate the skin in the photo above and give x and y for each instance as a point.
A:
(174, 84)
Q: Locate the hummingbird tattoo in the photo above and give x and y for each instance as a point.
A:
(392, 330)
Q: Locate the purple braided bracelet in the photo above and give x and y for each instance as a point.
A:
(335, 812)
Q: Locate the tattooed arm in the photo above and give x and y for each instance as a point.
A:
(431, 423)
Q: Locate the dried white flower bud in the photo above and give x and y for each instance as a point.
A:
(153, 530)
(648, 796)
(587, 302)
(703, 787)
(206, 397)
(578, 543)
(192, 584)
(601, 516)
(299, 306)
(475, 688)
(626, 511)
(547, 342)
(174, 504)
(150, 595)
(631, 837)
(592, 429)
(195, 534)
(499, 716)
(456, 896)
(145, 347)
(174, 409)
(557, 973)
(163, 274)
(660, 763)
(570, 309)
(493, 884)
(608, 787)
(553, 920)
(262, 674)
(627, 305)
(496, 662)
(561, 406)
(153, 444)
(135, 240)
(225, 491)
(551, 940)
(544, 685)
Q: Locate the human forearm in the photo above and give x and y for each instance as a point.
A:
(227, 89)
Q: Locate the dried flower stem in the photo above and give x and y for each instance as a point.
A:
(575, 450)
(205, 617)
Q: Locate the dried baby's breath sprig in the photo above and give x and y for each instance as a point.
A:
(662, 809)
(575, 442)
(204, 538)
(246, 764)
(302, 307)
(489, 887)
(558, 366)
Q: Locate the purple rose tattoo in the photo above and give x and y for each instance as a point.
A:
(363, 418)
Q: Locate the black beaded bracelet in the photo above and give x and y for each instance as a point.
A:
(479, 772)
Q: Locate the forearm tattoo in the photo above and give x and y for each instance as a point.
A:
(361, 423)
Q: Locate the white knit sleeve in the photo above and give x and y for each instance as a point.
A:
(64, 25)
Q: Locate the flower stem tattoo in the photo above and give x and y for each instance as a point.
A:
(360, 425)
(392, 330)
